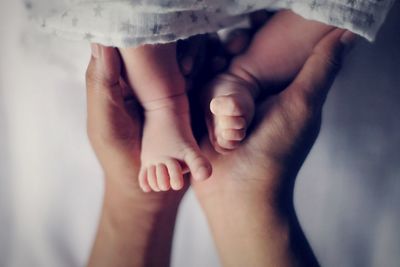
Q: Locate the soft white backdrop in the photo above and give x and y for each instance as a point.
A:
(347, 195)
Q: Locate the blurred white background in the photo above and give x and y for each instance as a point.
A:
(347, 195)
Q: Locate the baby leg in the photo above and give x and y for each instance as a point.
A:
(275, 56)
(168, 145)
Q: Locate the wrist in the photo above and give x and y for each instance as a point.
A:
(254, 219)
(125, 194)
(248, 230)
(135, 228)
(273, 187)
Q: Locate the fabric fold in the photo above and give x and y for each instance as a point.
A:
(124, 23)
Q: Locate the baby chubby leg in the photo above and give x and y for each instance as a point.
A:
(168, 145)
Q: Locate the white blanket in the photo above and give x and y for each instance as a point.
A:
(347, 193)
(129, 23)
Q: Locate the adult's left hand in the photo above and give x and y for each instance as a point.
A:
(135, 228)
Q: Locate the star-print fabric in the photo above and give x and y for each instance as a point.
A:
(124, 23)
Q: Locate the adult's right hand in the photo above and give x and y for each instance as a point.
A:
(249, 198)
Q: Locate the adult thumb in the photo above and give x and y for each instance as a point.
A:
(320, 70)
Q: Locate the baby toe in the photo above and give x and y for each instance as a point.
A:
(162, 177)
(233, 135)
(152, 178)
(199, 166)
(231, 122)
(224, 146)
(175, 174)
(229, 105)
(143, 182)
(229, 131)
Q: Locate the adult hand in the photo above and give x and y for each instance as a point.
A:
(249, 198)
(135, 228)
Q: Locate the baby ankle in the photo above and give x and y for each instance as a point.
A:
(177, 102)
(246, 76)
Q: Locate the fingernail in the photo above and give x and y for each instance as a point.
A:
(348, 40)
(95, 50)
(237, 41)
(145, 189)
(187, 65)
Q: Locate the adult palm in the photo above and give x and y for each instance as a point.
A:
(248, 200)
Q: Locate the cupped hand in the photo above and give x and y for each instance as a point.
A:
(135, 228)
(248, 200)
(115, 125)
(283, 132)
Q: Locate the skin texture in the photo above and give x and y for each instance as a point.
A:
(276, 54)
(249, 198)
(168, 146)
(135, 228)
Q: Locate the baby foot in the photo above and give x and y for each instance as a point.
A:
(231, 110)
(168, 146)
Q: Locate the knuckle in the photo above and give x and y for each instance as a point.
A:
(94, 80)
(328, 59)
(98, 77)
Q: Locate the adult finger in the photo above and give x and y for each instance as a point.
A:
(105, 95)
(296, 111)
(237, 41)
(317, 75)
(259, 18)
(102, 79)
(190, 54)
